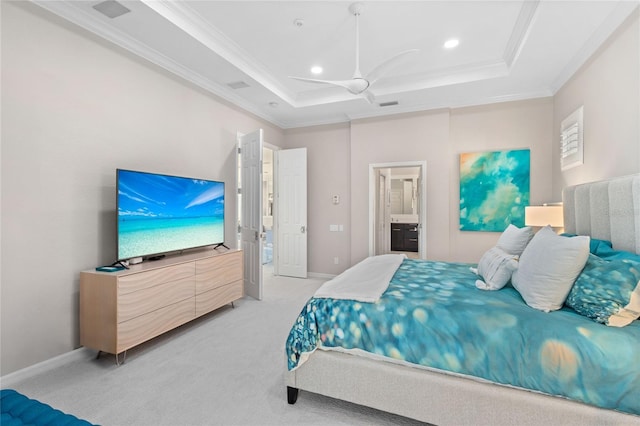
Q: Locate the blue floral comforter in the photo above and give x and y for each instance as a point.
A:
(433, 315)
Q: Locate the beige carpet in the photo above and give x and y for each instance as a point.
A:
(223, 369)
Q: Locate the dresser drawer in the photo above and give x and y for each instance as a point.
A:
(140, 280)
(134, 304)
(145, 327)
(213, 299)
(218, 271)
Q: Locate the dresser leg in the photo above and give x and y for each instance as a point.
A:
(233, 306)
(124, 357)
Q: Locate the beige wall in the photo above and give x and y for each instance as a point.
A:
(75, 108)
(411, 137)
(327, 167)
(510, 125)
(608, 86)
(340, 155)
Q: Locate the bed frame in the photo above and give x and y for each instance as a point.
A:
(608, 210)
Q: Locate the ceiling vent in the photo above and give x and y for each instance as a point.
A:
(111, 8)
(238, 85)
(387, 104)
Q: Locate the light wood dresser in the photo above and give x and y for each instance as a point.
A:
(119, 310)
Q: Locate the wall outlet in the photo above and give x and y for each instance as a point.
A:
(336, 260)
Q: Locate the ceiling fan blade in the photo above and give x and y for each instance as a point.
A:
(384, 67)
(313, 80)
(354, 85)
(369, 97)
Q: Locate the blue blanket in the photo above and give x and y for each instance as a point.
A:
(18, 410)
(433, 315)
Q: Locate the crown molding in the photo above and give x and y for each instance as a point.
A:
(443, 77)
(622, 11)
(424, 107)
(93, 24)
(185, 18)
(299, 124)
(475, 101)
(520, 32)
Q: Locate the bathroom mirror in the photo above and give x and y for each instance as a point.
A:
(403, 196)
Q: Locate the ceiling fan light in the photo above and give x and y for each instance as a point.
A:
(358, 85)
(451, 43)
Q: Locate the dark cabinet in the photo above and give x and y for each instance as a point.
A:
(397, 237)
(404, 237)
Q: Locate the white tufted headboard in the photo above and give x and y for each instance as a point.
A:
(607, 210)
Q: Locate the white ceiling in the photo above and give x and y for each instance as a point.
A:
(508, 50)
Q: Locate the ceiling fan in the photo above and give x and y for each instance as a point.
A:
(358, 85)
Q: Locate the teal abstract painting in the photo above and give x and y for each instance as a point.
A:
(494, 189)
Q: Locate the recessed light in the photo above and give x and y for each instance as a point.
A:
(316, 70)
(450, 44)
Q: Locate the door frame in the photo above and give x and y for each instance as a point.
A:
(274, 213)
(382, 209)
(265, 144)
(373, 201)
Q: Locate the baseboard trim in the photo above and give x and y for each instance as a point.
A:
(16, 377)
(320, 275)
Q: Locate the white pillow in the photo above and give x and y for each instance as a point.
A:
(514, 240)
(548, 268)
(495, 267)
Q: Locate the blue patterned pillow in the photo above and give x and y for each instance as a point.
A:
(607, 291)
(604, 250)
(608, 253)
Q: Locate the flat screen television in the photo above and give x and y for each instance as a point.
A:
(159, 214)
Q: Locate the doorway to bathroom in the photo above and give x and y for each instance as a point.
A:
(397, 209)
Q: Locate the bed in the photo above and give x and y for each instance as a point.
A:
(560, 367)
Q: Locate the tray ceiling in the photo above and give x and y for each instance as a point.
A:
(245, 51)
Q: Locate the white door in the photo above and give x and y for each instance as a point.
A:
(251, 215)
(291, 212)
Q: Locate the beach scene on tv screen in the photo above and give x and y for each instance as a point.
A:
(159, 214)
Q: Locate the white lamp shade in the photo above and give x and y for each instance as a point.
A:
(544, 215)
